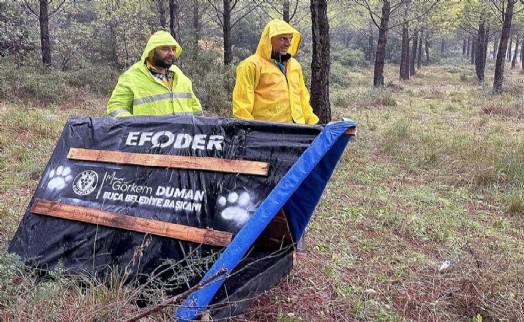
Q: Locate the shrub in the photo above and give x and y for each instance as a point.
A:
(47, 86)
(339, 75)
(212, 82)
(515, 201)
(93, 78)
(347, 57)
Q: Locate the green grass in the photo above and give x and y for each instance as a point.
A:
(434, 175)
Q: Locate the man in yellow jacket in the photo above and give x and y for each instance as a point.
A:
(270, 85)
(154, 85)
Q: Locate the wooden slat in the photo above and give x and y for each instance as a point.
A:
(171, 161)
(150, 226)
(351, 131)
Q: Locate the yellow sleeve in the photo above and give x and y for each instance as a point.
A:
(196, 106)
(309, 116)
(244, 92)
(121, 102)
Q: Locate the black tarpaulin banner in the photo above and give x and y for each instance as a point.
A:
(198, 198)
(215, 175)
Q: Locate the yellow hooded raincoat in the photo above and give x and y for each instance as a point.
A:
(263, 92)
(139, 93)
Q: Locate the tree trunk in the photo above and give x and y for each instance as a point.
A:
(378, 73)
(197, 25)
(161, 13)
(174, 20)
(320, 61)
(404, 54)
(498, 79)
(226, 29)
(495, 45)
(464, 46)
(442, 46)
(473, 51)
(285, 10)
(468, 47)
(508, 51)
(515, 54)
(44, 33)
(419, 52)
(413, 58)
(427, 46)
(371, 41)
(522, 54)
(480, 59)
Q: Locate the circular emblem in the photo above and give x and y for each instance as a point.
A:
(85, 182)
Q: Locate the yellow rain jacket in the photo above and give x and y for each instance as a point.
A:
(139, 93)
(263, 92)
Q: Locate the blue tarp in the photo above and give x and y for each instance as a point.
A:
(298, 192)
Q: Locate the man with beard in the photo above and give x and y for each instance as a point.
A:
(154, 86)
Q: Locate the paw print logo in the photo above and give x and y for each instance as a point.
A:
(85, 182)
(236, 208)
(59, 177)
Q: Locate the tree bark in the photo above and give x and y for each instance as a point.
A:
(161, 13)
(515, 54)
(371, 41)
(482, 45)
(522, 54)
(285, 10)
(468, 47)
(498, 79)
(378, 73)
(427, 46)
(474, 46)
(442, 46)
(44, 33)
(419, 52)
(320, 63)
(508, 51)
(174, 19)
(197, 25)
(413, 58)
(226, 29)
(404, 54)
(495, 45)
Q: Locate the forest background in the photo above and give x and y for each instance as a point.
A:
(423, 217)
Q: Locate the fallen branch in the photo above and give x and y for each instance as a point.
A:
(178, 297)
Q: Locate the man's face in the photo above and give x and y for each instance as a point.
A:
(281, 43)
(164, 56)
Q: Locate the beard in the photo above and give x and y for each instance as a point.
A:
(162, 62)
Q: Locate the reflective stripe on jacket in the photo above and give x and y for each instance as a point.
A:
(139, 93)
(263, 92)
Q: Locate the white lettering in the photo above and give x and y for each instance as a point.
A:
(199, 142)
(131, 138)
(164, 139)
(199, 195)
(215, 142)
(145, 137)
(177, 193)
(182, 141)
(170, 138)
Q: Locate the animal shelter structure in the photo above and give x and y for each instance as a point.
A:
(135, 194)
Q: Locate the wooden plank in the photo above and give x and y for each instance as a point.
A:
(171, 161)
(150, 226)
(351, 131)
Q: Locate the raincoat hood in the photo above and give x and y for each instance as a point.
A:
(274, 28)
(161, 38)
